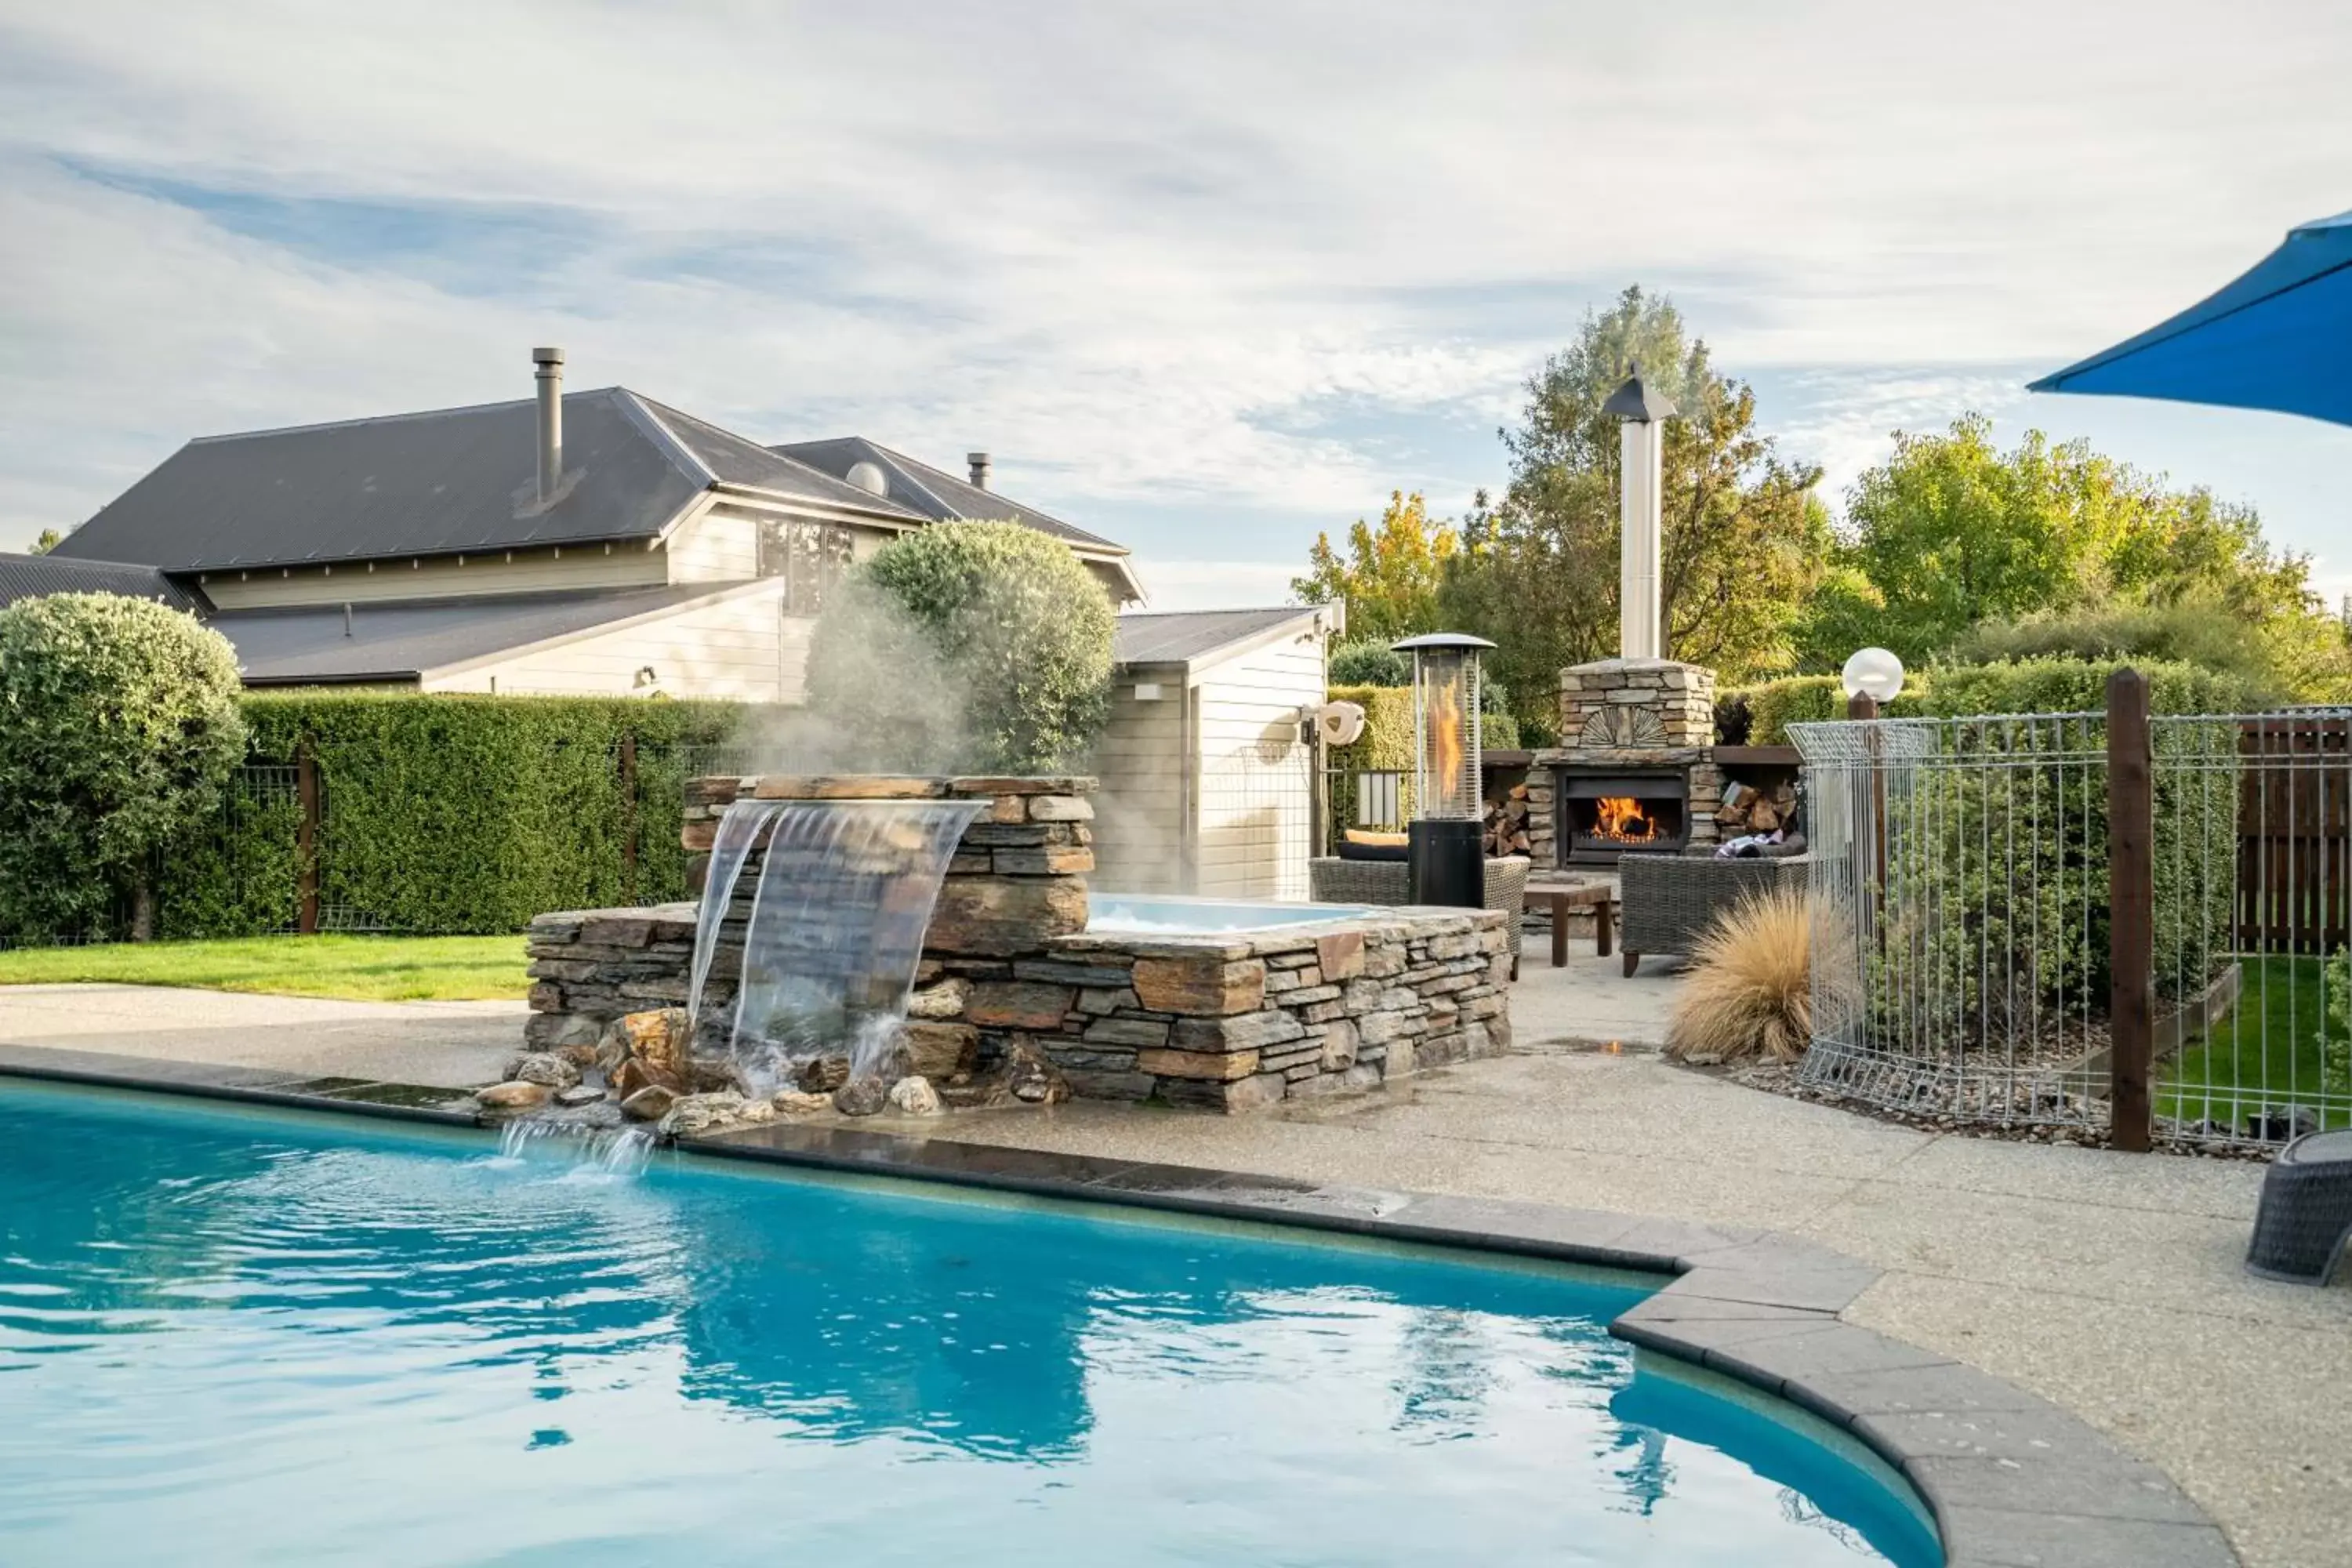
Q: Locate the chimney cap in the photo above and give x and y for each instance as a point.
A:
(1637, 403)
(978, 461)
(547, 356)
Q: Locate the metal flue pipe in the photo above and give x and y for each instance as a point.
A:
(549, 369)
(1642, 415)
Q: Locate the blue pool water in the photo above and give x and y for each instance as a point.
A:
(231, 1338)
(1153, 913)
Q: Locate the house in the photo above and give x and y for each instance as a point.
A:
(583, 542)
(1207, 769)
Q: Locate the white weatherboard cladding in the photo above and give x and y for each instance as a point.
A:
(742, 648)
(1238, 820)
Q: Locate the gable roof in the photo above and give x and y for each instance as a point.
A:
(1191, 636)
(934, 493)
(39, 577)
(438, 483)
(306, 644)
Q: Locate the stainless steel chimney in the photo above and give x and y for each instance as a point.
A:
(978, 461)
(549, 372)
(1641, 413)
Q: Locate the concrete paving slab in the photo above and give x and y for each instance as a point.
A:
(1590, 1000)
(449, 1043)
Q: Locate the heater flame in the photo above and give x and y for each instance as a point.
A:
(1445, 740)
(1620, 819)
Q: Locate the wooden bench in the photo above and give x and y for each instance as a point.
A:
(1562, 897)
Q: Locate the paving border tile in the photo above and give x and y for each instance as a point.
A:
(2011, 1480)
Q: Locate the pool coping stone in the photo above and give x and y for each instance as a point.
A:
(2011, 1480)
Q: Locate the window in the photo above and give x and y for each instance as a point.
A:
(809, 557)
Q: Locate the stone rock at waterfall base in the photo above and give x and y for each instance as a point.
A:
(543, 1068)
(1030, 1079)
(650, 1103)
(696, 1114)
(656, 1037)
(580, 1094)
(794, 1102)
(633, 1075)
(914, 1096)
(823, 1075)
(515, 1095)
(861, 1097)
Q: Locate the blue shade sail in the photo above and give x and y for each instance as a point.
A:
(2279, 338)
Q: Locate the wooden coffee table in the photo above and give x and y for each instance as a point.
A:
(1601, 897)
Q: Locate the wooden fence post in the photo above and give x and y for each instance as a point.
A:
(629, 813)
(2131, 912)
(306, 839)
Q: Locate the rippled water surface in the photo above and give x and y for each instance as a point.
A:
(237, 1339)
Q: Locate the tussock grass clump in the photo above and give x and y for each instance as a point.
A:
(1749, 990)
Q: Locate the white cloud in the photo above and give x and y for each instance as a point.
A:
(1154, 257)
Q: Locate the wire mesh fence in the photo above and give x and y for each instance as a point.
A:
(1965, 939)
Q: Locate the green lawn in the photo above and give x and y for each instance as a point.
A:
(359, 968)
(2266, 1051)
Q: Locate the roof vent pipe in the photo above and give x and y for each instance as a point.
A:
(550, 372)
(978, 461)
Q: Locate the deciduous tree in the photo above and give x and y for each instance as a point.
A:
(1390, 576)
(1743, 539)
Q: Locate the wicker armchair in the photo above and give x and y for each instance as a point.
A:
(1667, 901)
(1331, 880)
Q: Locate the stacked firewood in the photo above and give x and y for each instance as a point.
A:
(1758, 808)
(1507, 823)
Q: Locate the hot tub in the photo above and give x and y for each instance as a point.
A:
(1169, 914)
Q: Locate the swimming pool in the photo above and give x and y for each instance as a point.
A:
(1158, 912)
(229, 1337)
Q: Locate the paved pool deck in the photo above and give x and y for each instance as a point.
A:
(444, 1044)
(2109, 1284)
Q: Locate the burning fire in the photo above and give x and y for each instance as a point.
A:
(1445, 722)
(1621, 819)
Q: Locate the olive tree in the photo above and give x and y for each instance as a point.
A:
(119, 726)
(969, 644)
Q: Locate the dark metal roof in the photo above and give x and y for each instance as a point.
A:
(402, 640)
(437, 483)
(738, 461)
(933, 492)
(1186, 637)
(39, 577)
(412, 484)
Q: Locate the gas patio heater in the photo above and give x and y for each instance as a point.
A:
(1446, 862)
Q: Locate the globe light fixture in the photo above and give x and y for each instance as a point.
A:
(1874, 673)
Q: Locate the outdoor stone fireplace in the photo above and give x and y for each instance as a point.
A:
(1635, 770)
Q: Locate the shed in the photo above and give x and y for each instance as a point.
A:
(1206, 770)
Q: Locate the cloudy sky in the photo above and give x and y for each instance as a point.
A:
(1204, 277)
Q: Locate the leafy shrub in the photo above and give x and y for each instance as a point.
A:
(2020, 686)
(1368, 661)
(458, 814)
(1386, 744)
(1004, 623)
(118, 725)
(1773, 705)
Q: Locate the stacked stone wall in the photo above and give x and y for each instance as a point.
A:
(1009, 975)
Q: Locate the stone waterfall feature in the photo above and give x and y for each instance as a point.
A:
(833, 933)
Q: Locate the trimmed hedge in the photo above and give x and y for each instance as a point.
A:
(446, 814)
(2027, 686)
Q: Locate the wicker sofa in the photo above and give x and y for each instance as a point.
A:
(1668, 901)
(1332, 880)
